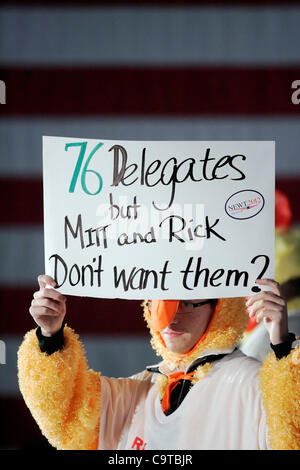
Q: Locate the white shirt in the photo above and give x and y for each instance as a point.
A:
(222, 411)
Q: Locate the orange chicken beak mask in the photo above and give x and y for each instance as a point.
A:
(224, 330)
(163, 312)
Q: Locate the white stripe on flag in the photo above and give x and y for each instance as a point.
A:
(22, 255)
(21, 139)
(148, 35)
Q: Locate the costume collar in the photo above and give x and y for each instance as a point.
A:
(165, 369)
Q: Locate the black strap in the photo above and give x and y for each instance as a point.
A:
(154, 369)
(204, 360)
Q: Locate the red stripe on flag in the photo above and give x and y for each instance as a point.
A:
(18, 430)
(24, 199)
(157, 3)
(155, 91)
(85, 315)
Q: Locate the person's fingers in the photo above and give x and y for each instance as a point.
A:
(49, 293)
(275, 286)
(44, 279)
(37, 312)
(268, 314)
(262, 306)
(49, 304)
(265, 295)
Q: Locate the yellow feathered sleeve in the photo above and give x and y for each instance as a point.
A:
(280, 387)
(62, 394)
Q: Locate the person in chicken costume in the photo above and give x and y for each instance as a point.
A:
(204, 394)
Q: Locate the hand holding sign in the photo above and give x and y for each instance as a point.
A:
(271, 307)
(48, 307)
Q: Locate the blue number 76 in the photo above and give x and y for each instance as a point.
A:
(85, 168)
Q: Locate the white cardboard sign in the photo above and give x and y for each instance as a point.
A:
(161, 220)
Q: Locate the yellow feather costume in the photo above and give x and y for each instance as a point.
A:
(64, 395)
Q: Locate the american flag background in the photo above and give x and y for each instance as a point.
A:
(140, 70)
